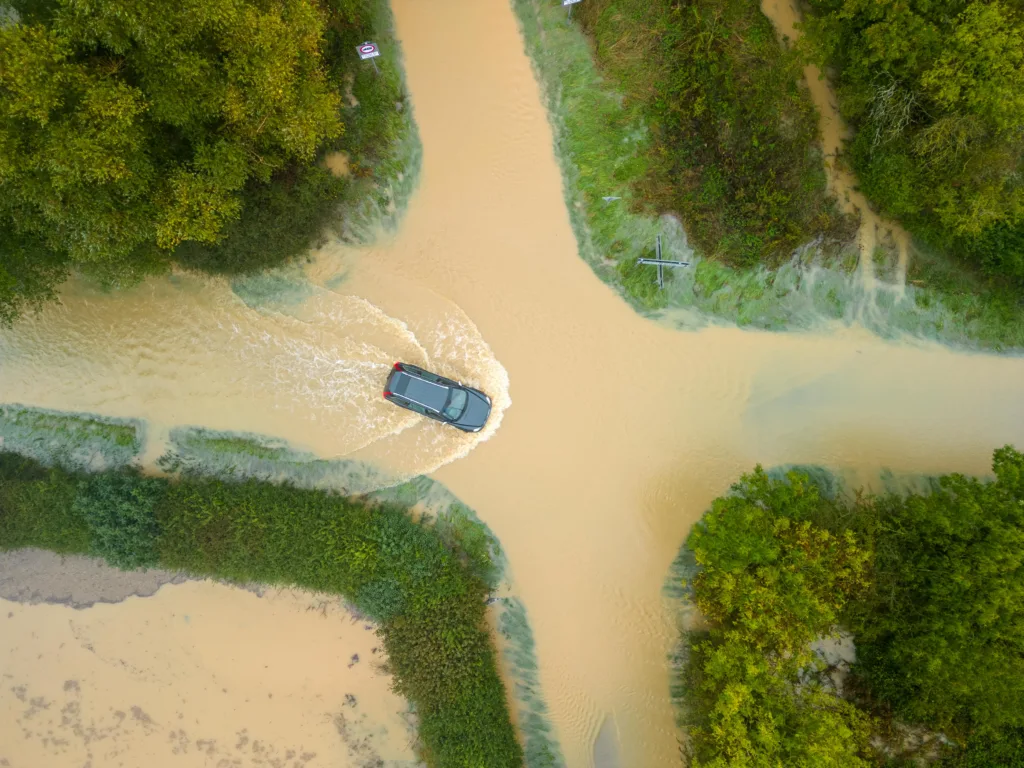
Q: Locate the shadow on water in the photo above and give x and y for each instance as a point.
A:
(606, 748)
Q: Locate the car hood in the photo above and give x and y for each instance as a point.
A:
(478, 408)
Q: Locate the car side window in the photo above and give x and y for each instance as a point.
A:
(417, 407)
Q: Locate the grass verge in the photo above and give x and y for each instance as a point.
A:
(408, 575)
(245, 456)
(70, 439)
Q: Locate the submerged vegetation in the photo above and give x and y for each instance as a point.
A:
(129, 143)
(424, 584)
(929, 584)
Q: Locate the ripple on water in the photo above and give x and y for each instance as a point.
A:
(300, 362)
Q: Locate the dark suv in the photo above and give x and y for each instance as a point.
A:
(437, 398)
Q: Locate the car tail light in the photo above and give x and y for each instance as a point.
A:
(397, 366)
(386, 393)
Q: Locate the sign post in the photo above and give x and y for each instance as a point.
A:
(371, 51)
(661, 269)
(569, 3)
(661, 263)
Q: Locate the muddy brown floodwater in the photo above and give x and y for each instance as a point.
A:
(618, 432)
(200, 674)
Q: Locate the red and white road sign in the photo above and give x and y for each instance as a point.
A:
(368, 50)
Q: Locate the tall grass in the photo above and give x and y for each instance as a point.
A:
(540, 743)
(244, 455)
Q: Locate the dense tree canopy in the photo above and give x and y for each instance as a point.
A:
(128, 127)
(935, 91)
(941, 639)
(771, 581)
(930, 584)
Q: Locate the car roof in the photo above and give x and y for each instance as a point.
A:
(418, 390)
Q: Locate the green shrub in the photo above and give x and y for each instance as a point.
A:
(934, 90)
(931, 583)
(37, 507)
(279, 220)
(1003, 749)
(941, 637)
(771, 582)
(119, 510)
(204, 165)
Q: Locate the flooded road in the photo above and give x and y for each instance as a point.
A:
(200, 674)
(618, 432)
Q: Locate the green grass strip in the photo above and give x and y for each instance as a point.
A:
(78, 440)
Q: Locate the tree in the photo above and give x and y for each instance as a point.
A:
(772, 581)
(941, 637)
(769, 574)
(935, 91)
(128, 127)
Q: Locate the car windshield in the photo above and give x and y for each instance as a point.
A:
(456, 404)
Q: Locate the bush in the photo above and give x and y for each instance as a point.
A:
(771, 581)
(1003, 749)
(159, 126)
(932, 586)
(119, 510)
(37, 507)
(197, 162)
(278, 221)
(941, 636)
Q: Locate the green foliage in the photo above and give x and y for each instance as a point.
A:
(36, 507)
(770, 575)
(734, 138)
(461, 532)
(429, 603)
(931, 583)
(133, 136)
(72, 440)
(29, 272)
(771, 582)
(1004, 749)
(127, 129)
(935, 92)
(279, 220)
(119, 507)
(941, 638)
